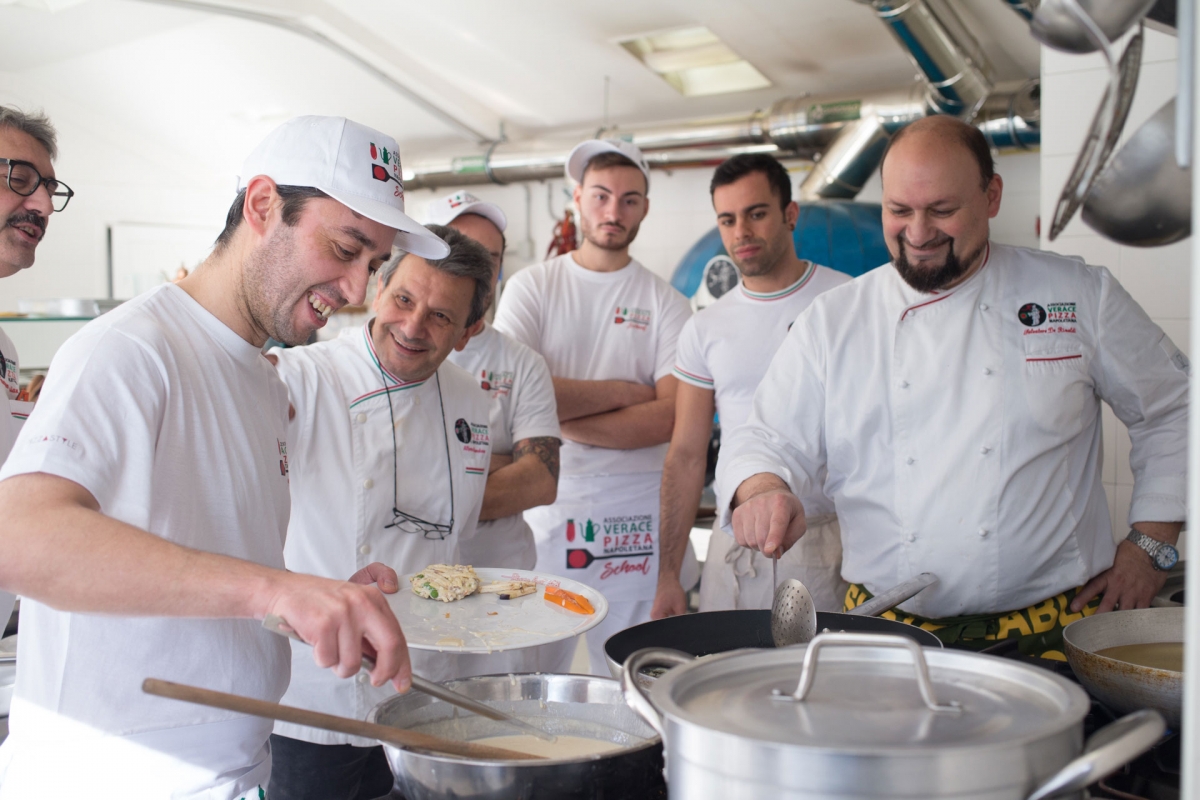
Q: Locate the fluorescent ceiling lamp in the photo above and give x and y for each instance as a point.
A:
(695, 62)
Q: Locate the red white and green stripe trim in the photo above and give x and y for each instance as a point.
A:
(782, 293)
(20, 416)
(397, 384)
(476, 470)
(694, 380)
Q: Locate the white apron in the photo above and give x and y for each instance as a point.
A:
(603, 532)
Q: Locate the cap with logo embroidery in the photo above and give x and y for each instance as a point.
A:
(445, 210)
(584, 152)
(355, 165)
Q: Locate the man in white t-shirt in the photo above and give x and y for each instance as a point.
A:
(29, 195)
(147, 496)
(607, 328)
(723, 353)
(524, 426)
(390, 448)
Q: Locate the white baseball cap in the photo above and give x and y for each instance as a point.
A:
(586, 151)
(355, 165)
(446, 209)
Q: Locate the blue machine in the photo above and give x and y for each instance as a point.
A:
(843, 234)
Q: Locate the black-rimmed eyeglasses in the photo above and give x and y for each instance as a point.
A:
(24, 179)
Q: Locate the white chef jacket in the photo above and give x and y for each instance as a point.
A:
(342, 479)
(177, 425)
(961, 430)
(522, 407)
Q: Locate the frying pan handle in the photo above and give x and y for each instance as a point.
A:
(809, 672)
(1109, 749)
(635, 696)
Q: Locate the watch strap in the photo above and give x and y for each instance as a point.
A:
(1149, 544)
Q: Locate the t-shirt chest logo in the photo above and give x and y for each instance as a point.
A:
(8, 374)
(476, 445)
(283, 462)
(1049, 319)
(499, 383)
(636, 318)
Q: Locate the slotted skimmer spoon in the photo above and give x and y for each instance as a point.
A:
(793, 615)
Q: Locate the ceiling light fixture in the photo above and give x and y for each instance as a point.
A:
(695, 62)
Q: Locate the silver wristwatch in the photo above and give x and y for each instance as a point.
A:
(1162, 555)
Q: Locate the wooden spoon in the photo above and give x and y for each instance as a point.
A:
(315, 719)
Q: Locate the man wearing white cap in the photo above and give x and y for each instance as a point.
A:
(390, 448)
(607, 328)
(147, 496)
(524, 428)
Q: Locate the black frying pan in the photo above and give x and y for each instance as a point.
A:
(720, 631)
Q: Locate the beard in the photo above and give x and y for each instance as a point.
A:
(269, 290)
(933, 279)
(589, 233)
(769, 257)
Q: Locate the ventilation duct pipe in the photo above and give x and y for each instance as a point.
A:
(943, 50)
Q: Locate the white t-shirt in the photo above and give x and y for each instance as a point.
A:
(522, 407)
(961, 430)
(176, 425)
(12, 415)
(727, 347)
(342, 490)
(589, 325)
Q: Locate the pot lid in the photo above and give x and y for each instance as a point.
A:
(864, 692)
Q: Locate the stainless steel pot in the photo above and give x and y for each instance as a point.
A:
(1121, 686)
(853, 716)
(577, 705)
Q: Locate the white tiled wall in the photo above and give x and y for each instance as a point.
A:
(1158, 278)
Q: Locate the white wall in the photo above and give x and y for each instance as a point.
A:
(1158, 278)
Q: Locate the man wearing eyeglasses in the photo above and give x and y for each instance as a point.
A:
(390, 445)
(28, 147)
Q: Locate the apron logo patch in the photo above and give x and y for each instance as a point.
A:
(588, 530)
(283, 463)
(1033, 315)
(626, 538)
(462, 429)
(636, 318)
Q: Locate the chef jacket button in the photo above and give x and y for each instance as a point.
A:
(361, 418)
(985, 449)
(910, 460)
(416, 401)
(368, 483)
(912, 537)
(983, 306)
(363, 677)
(983, 532)
(903, 384)
(365, 549)
(987, 371)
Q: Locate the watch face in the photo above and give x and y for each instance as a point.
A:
(1166, 557)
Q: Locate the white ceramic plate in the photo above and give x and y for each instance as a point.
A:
(483, 623)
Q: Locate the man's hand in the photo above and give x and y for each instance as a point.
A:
(670, 600)
(1131, 582)
(345, 620)
(767, 516)
(378, 574)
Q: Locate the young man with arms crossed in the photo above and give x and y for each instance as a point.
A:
(147, 496)
(607, 328)
(389, 447)
(723, 353)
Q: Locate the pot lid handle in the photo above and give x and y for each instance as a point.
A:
(809, 671)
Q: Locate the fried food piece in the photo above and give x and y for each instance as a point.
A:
(509, 590)
(445, 582)
(569, 600)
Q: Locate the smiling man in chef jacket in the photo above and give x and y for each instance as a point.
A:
(28, 196)
(147, 496)
(390, 446)
(954, 397)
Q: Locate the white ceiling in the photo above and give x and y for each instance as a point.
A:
(193, 90)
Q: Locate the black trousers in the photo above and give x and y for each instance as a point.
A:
(305, 771)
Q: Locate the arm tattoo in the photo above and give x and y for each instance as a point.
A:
(544, 447)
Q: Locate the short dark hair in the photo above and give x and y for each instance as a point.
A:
(967, 135)
(467, 259)
(735, 168)
(608, 159)
(294, 199)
